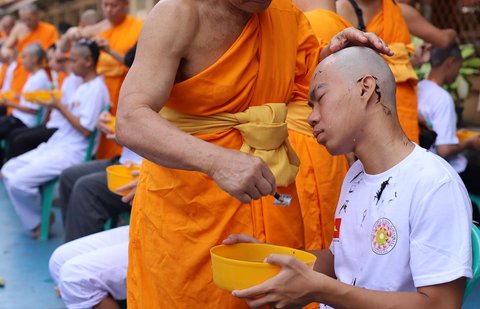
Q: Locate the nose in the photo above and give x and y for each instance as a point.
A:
(313, 118)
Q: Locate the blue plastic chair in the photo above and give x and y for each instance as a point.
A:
(475, 262)
(48, 188)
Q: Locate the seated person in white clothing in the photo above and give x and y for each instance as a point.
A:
(437, 107)
(24, 139)
(25, 113)
(24, 174)
(91, 272)
(391, 246)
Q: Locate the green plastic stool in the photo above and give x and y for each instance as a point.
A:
(48, 188)
(476, 199)
(475, 262)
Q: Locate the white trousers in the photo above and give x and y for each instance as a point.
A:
(90, 268)
(24, 175)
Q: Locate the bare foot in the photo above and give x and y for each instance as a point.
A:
(36, 231)
(57, 291)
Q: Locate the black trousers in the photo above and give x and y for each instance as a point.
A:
(471, 179)
(7, 125)
(25, 139)
(85, 199)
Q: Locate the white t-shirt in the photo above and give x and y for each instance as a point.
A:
(89, 100)
(69, 86)
(437, 107)
(405, 228)
(7, 82)
(37, 81)
(128, 155)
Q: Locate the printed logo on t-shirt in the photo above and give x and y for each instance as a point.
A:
(336, 228)
(384, 236)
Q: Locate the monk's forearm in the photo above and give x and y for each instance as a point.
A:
(157, 140)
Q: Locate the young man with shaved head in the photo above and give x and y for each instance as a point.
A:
(390, 248)
(115, 34)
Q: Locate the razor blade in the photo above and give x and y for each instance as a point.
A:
(282, 199)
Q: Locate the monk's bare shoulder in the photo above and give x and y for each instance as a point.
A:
(346, 10)
(173, 22)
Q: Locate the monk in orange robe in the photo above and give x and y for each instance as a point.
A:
(29, 30)
(320, 177)
(116, 34)
(384, 18)
(180, 214)
(221, 72)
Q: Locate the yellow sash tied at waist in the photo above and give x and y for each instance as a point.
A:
(400, 63)
(263, 129)
(297, 116)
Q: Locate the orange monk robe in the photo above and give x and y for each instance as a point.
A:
(179, 215)
(390, 25)
(320, 177)
(45, 34)
(120, 38)
(3, 66)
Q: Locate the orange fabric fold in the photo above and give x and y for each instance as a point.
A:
(45, 34)
(120, 38)
(326, 24)
(390, 25)
(319, 179)
(179, 215)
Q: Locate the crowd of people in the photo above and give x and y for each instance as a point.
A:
(224, 104)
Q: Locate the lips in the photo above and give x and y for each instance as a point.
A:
(319, 135)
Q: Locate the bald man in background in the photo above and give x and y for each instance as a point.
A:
(385, 218)
(88, 18)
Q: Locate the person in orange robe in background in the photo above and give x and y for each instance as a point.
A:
(320, 176)
(29, 30)
(115, 34)
(385, 19)
(6, 25)
(208, 66)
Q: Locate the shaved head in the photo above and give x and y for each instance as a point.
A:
(89, 17)
(352, 95)
(29, 8)
(353, 63)
(7, 22)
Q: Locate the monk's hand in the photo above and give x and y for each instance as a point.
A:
(130, 188)
(239, 238)
(243, 176)
(294, 286)
(102, 43)
(354, 37)
(102, 124)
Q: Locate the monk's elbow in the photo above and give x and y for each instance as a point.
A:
(122, 131)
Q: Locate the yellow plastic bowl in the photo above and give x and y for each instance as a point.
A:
(42, 95)
(464, 134)
(111, 124)
(118, 176)
(8, 95)
(240, 266)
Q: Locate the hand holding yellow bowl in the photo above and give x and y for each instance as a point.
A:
(465, 134)
(42, 96)
(119, 176)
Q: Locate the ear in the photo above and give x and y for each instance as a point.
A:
(367, 86)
